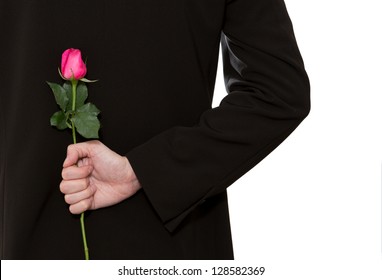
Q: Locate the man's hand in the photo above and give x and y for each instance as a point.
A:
(95, 177)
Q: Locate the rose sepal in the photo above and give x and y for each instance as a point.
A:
(88, 81)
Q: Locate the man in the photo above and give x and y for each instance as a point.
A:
(159, 174)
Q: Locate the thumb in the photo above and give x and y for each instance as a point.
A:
(75, 152)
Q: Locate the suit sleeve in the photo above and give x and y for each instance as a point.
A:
(268, 96)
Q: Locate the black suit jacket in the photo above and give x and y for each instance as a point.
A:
(156, 63)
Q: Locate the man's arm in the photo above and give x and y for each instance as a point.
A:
(268, 96)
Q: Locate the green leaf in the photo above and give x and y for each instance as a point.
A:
(59, 120)
(60, 95)
(87, 124)
(82, 94)
(86, 121)
(89, 108)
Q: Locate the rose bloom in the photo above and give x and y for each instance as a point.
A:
(72, 65)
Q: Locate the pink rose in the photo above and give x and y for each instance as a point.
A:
(72, 65)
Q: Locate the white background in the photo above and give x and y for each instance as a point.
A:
(312, 208)
(314, 204)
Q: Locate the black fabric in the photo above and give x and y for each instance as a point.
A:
(156, 64)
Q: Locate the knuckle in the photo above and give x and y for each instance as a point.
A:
(87, 182)
(82, 185)
(83, 172)
(89, 169)
(67, 199)
(63, 173)
(89, 192)
(84, 205)
(70, 147)
(62, 187)
(67, 173)
(73, 209)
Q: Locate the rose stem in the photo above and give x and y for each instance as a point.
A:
(82, 219)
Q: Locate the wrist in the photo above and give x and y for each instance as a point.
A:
(132, 179)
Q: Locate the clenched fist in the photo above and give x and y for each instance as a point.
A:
(95, 177)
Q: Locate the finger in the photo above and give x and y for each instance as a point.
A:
(75, 172)
(73, 186)
(77, 197)
(81, 206)
(75, 152)
(83, 161)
